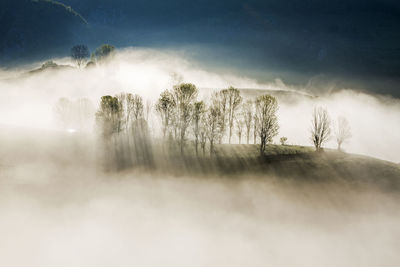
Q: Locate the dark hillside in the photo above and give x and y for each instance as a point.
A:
(291, 162)
(58, 150)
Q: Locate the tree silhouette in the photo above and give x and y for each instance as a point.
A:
(342, 131)
(233, 102)
(165, 107)
(198, 114)
(103, 52)
(320, 127)
(247, 113)
(268, 127)
(184, 96)
(80, 54)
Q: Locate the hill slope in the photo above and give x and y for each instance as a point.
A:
(27, 149)
(291, 162)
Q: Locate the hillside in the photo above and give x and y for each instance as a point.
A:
(292, 162)
(51, 150)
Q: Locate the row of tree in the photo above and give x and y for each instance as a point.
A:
(180, 112)
(321, 129)
(212, 122)
(123, 122)
(184, 118)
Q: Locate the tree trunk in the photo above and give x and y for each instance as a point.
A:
(181, 143)
(262, 147)
(230, 133)
(196, 143)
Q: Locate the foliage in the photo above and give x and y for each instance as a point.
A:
(213, 117)
(220, 101)
(184, 96)
(110, 116)
(233, 102)
(165, 107)
(103, 52)
(49, 64)
(283, 140)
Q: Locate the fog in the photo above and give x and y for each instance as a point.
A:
(60, 207)
(69, 215)
(29, 101)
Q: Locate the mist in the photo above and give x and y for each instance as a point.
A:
(28, 100)
(76, 216)
(59, 205)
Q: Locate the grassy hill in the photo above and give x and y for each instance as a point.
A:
(27, 149)
(290, 162)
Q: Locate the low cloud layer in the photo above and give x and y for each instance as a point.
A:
(164, 221)
(28, 100)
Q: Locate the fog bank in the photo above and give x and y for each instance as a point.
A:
(137, 219)
(29, 100)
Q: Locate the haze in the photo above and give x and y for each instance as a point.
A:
(199, 133)
(30, 101)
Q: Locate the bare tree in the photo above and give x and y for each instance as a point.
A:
(123, 126)
(165, 107)
(124, 102)
(110, 116)
(220, 99)
(80, 54)
(266, 107)
(213, 123)
(247, 113)
(239, 128)
(233, 101)
(184, 96)
(203, 133)
(255, 127)
(320, 127)
(198, 114)
(138, 107)
(342, 131)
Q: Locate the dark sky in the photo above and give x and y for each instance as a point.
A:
(340, 43)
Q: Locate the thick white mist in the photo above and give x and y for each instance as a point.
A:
(29, 101)
(163, 221)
